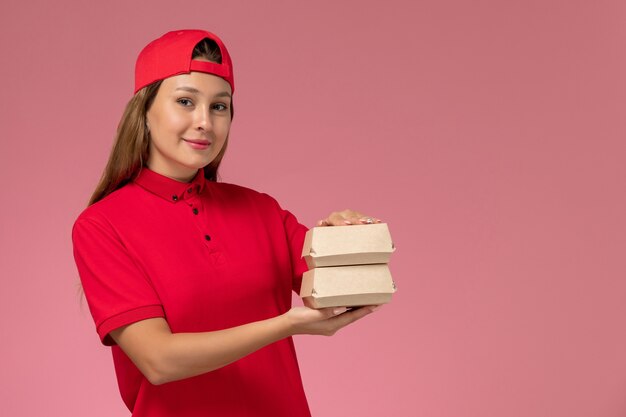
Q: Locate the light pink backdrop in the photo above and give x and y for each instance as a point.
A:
(488, 134)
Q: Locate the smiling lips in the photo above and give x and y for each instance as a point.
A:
(198, 144)
(198, 141)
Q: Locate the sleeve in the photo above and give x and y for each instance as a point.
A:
(295, 233)
(118, 292)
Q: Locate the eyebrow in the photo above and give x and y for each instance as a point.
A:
(195, 90)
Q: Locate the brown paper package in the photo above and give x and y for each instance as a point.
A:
(348, 266)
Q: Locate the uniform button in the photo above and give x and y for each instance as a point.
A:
(189, 190)
(195, 211)
(207, 237)
(175, 197)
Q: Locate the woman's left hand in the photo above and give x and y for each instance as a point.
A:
(347, 217)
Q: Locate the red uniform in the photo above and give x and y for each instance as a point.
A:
(205, 256)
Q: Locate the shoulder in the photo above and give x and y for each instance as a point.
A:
(225, 189)
(242, 200)
(114, 205)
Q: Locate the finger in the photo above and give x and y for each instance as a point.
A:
(348, 217)
(369, 220)
(351, 316)
(356, 217)
(329, 312)
(338, 219)
(359, 218)
(352, 216)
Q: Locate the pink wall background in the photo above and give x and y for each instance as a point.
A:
(488, 134)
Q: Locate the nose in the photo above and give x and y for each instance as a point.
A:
(203, 119)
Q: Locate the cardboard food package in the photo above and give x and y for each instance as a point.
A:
(350, 286)
(347, 245)
(347, 266)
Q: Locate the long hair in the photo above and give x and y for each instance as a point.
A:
(130, 148)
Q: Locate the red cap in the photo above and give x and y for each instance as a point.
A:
(171, 55)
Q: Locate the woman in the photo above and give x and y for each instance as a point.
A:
(189, 280)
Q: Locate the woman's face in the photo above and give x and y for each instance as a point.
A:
(188, 108)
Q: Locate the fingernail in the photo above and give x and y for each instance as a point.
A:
(340, 310)
(374, 308)
(347, 222)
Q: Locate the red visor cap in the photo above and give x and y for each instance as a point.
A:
(170, 55)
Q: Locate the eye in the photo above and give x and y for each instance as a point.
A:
(220, 107)
(185, 102)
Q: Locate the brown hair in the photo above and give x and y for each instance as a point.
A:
(130, 149)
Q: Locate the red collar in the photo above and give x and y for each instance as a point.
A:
(168, 188)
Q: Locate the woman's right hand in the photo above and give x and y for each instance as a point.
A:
(325, 321)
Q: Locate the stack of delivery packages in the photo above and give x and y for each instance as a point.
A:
(348, 266)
